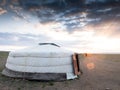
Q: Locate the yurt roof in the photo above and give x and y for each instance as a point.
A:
(47, 50)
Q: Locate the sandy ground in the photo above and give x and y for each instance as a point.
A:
(100, 72)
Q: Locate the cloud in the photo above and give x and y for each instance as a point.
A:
(21, 39)
(2, 11)
(108, 28)
(11, 47)
(84, 30)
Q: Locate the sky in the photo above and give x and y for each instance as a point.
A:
(92, 30)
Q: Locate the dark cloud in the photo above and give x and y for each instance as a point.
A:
(71, 16)
(103, 20)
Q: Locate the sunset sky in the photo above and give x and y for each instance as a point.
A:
(81, 30)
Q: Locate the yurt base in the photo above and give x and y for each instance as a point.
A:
(35, 76)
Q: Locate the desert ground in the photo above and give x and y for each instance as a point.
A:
(100, 72)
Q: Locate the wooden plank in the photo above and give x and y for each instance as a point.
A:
(75, 64)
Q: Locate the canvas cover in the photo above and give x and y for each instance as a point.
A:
(48, 60)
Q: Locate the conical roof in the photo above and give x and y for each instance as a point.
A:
(43, 50)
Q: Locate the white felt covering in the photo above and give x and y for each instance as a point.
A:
(42, 59)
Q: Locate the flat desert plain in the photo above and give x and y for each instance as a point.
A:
(100, 72)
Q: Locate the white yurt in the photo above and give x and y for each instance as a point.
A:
(46, 61)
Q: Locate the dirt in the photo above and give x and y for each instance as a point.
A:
(100, 72)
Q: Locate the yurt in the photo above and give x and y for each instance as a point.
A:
(46, 61)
